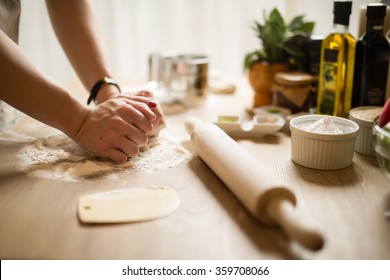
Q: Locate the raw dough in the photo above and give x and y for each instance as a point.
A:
(128, 205)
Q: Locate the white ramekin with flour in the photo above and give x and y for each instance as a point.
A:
(323, 142)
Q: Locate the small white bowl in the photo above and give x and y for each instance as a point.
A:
(364, 117)
(321, 150)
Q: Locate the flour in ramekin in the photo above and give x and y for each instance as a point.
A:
(58, 157)
(324, 125)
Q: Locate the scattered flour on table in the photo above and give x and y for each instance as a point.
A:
(58, 157)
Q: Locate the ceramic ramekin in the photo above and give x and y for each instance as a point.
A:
(320, 150)
(364, 117)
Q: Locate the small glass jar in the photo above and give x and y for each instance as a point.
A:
(292, 90)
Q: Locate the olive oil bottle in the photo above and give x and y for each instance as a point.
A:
(372, 60)
(337, 65)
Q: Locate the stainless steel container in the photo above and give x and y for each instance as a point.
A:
(182, 75)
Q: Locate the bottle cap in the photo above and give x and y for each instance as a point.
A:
(342, 11)
(376, 11)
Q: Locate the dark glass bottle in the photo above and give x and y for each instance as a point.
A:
(313, 58)
(372, 60)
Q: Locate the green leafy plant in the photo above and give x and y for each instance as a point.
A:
(280, 43)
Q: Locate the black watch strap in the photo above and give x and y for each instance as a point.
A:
(99, 84)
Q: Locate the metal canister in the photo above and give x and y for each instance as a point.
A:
(183, 75)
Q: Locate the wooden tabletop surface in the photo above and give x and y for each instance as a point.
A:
(38, 216)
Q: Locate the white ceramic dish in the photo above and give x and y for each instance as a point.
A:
(321, 150)
(259, 126)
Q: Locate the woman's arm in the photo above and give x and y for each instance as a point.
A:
(76, 27)
(25, 88)
(114, 129)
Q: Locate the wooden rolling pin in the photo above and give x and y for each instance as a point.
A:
(255, 185)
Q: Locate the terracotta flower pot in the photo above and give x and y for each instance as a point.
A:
(261, 77)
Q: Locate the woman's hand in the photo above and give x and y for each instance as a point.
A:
(116, 128)
(137, 99)
(146, 97)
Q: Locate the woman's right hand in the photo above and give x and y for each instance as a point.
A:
(115, 129)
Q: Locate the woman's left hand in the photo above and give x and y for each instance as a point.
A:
(136, 99)
(141, 98)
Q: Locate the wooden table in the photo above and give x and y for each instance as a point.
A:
(38, 217)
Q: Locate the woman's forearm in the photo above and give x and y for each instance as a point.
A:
(25, 88)
(75, 25)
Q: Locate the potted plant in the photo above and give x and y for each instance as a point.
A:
(282, 48)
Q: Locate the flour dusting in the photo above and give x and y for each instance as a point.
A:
(58, 157)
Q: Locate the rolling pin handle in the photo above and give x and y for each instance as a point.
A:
(191, 123)
(282, 212)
